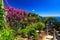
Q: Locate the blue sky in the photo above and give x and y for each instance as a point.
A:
(41, 7)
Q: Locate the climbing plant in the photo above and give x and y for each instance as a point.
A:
(2, 21)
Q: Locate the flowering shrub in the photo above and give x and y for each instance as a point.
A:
(15, 18)
(19, 19)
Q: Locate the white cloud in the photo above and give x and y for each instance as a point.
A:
(33, 10)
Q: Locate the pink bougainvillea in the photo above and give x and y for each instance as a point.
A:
(20, 18)
(15, 17)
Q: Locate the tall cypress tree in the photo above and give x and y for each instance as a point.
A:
(2, 21)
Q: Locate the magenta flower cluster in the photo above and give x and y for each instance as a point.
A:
(15, 17)
(20, 18)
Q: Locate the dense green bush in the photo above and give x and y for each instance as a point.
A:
(30, 31)
(2, 21)
(7, 34)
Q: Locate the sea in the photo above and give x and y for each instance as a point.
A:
(58, 19)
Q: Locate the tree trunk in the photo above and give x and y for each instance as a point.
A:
(47, 30)
(54, 37)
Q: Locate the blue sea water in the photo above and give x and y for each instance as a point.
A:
(58, 19)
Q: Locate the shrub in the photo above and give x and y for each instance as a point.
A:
(6, 34)
(19, 19)
(30, 31)
(2, 21)
(15, 18)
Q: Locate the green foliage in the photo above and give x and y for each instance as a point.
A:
(38, 26)
(6, 34)
(2, 22)
(57, 25)
(46, 19)
(31, 30)
(23, 32)
(32, 33)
